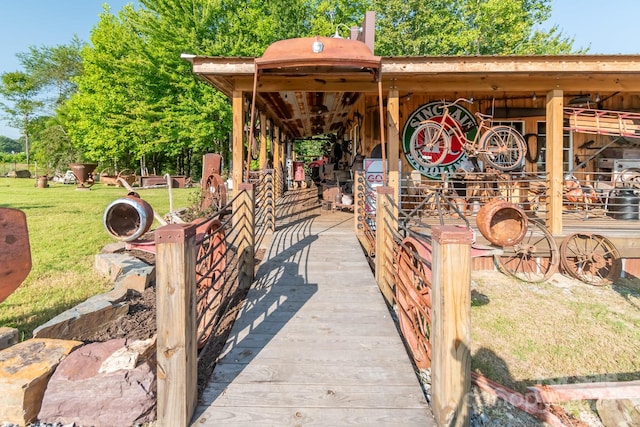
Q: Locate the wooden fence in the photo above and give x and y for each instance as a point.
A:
(426, 276)
(198, 267)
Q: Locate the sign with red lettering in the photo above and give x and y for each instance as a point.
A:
(460, 117)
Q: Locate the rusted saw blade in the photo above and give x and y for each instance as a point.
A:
(15, 252)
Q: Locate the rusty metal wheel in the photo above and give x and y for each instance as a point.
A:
(214, 192)
(413, 297)
(210, 267)
(534, 259)
(590, 258)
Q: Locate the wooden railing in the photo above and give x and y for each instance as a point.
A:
(364, 214)
(426, 275)
(199, 267)
(264, 181)
(590, 193)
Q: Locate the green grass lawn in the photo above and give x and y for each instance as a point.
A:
(66, 231)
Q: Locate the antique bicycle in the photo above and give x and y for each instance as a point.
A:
(500, 147)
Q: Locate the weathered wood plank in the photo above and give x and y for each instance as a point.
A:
(591, 391)
(351, 372)
(313, 417)
(451, 327)
(318, 396)
(323, 353)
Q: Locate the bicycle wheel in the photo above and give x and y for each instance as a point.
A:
(430, 144)
(502, 148)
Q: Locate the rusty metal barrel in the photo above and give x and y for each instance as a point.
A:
(42, 182)
(502, 223)
(128, 218)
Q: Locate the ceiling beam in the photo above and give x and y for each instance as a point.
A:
(516, 82)
(305, 84)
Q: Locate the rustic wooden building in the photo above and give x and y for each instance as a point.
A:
(321, 85)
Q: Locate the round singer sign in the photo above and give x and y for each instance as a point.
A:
(459, 117)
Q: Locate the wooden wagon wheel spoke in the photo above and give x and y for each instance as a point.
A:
(590, 258)
(210, 267)
(413, 296)
(534, 259)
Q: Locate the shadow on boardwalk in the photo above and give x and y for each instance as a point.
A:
(314, 343)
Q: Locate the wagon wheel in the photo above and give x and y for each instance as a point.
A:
(413, 296)
(590, 258)
(214, 193)
(128, 175)
(210, 266)
(629, 178)
(534, 259)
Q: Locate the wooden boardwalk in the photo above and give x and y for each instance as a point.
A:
(314, 344)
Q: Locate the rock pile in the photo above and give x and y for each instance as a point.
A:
(54, 378)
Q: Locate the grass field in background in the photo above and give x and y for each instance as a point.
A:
(66, 231)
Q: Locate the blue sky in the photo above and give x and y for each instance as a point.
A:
(606, 27)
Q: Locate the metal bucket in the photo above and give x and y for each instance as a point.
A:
(502, 223)
(128, 218)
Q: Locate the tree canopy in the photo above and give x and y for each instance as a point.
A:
(8, 145)
(127, 98)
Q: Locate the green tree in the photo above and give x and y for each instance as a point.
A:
(466, 27)
(54, 68)
(47, 71)
(51, 145)
(106, 117)
(139, 101)
(22, 92)
(8, 145)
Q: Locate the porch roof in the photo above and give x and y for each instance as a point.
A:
(288, 97)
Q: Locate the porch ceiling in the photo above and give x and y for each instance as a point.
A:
(293, 98)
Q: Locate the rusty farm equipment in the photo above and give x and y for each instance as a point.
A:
(214, 191)
(84, 174)
(15, 252)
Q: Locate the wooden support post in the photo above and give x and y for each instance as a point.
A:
(177, 368)
(554, 160)
(393, 129)
(451, 327)
(238, 139)
(244, 212)
(263, 141)
(277, 168)
(393, 142)
(384, 241)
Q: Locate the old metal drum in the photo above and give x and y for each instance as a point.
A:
(502, 223)
(128, 218)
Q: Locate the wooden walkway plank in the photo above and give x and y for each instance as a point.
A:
(314, 344)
